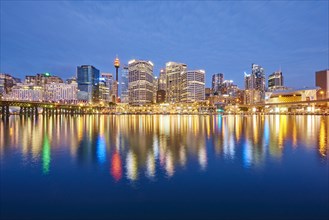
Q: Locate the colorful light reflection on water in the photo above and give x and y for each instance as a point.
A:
(181, 166)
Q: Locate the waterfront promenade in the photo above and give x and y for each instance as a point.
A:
(9, 107)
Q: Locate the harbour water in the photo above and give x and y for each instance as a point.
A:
(164, 167)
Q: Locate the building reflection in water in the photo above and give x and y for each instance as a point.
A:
(46, 155)
(323, 137)
(131, 166)
(101, 149)
(116, 166)
(150, 146)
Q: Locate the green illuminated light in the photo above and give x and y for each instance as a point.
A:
(46, 155)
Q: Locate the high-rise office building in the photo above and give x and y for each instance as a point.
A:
(88, 83)
(249, 90)
(193, 86)
(255, 85)
(275, 81)
(105, 85)
(322, 81)
(258, 74)
(229, 88)
(140, 83)
(124, 94)
(162, 81)
(110, 86)
(217, 81)
(155, 88)
(162, 86)
(173, 73)
(247, 81)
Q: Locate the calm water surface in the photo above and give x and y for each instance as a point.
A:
(164, 167)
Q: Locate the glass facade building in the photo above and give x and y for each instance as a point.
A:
(217, 81)
(124, 94)
(88, 83)
(255, 85)
(275, 81)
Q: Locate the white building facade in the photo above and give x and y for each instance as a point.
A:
(140, 82)
(61, 92)
(26, 92)
(193, 86)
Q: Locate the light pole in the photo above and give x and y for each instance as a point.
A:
(322, 93)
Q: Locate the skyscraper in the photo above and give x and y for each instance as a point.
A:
(275, 81)
(155, 88)
(247, 81)
(258, 74)
(162, 81)
(322, 80)
(173, 73)
(124, 95)
(193, 86)
(229, 88)
(162, 86)
(255, 85)
(248, 95)
(88, 83)
(217, 81)
(106, 92)
(140, 84)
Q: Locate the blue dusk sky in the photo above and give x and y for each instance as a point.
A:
(224, 36)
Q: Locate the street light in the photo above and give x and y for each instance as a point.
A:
(322, 93)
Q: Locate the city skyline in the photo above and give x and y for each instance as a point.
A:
(188, 109)
(208, 76)
(218, 41)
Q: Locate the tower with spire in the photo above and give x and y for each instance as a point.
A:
(117, 66)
